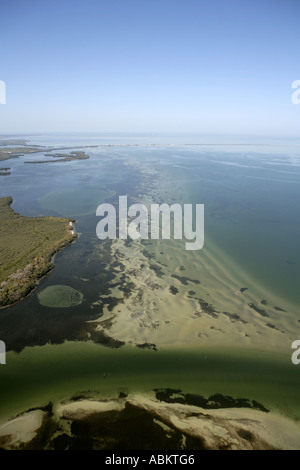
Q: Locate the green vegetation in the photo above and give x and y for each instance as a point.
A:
(63, 157)
(4, 171)
(9, 150)
(26, 247)
(15, 152)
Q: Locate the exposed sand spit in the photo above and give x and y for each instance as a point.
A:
(142, 422)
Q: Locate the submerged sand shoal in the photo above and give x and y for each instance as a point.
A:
(114, 424)
(171, 297)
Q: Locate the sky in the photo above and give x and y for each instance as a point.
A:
(165, 66)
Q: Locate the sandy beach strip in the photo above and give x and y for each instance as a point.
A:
(225, 428)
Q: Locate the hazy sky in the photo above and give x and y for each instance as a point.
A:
(199, 66)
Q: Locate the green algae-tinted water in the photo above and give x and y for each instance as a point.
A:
(56, 372)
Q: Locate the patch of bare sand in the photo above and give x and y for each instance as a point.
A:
(82, 408)
(226, 428)
(21, 430)
(230, 428)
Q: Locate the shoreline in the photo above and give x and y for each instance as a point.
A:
(101, 371)
(111, 424)
(167, 300)
(39, 279)
(24, 232)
